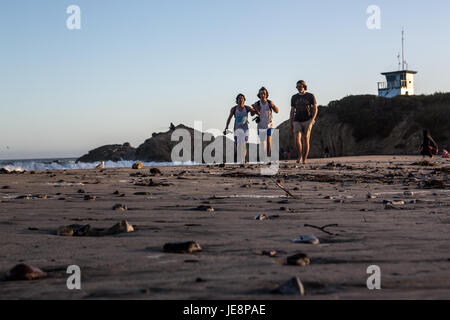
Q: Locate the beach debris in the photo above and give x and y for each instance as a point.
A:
(152, 183)
(25, 197)
(101, 165)
(323, 228)
(339, 197)
(117, 192)
(261, 217)
(76, 230)
(205, 208)
(371, 196)
(182, 247)
(293, 287)
(299, 259)
(433, 184)
(24, 272)
(424, 163)
(81, 191)
(285, 190)
(394, 202)
(89, 197)
(270, 253)
(138, 165)
(408, 193)
(6, 187)
(311, 239)
(83, 231)
(120, 207)
(155, 172)
(142, 193)
(246, 186)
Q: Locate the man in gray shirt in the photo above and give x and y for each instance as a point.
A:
(303, 116)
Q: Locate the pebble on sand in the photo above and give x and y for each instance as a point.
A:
(24, 272)
(311, 239)
(299, 259)
(120, 207)
(182, 247)
(65, 231)
(293, 286)
(205, 208)
(121, 227)
(270, 253)
(261, 217)
(155, 171)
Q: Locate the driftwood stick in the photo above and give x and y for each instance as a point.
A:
(323, 228)
(285, 190)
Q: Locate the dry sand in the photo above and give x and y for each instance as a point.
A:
(410, 243)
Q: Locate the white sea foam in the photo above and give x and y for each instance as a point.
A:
(41, 165)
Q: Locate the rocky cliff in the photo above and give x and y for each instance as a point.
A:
(115, 152)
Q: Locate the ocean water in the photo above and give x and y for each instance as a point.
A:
(69, 164)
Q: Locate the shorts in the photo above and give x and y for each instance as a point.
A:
(269, 132)
(240, 136)
(303, 127)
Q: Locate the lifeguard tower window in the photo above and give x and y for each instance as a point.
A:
(390, 78)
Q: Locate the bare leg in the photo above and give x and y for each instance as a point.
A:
(305, 150)
(305, 140)
(269, 146)
(245, 152)
(298, 143)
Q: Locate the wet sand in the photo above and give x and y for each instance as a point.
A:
(410, 242)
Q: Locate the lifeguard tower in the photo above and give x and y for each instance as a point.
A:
(399, 82)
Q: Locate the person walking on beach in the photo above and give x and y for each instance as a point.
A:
(429, 146)
(240, 113)
(264, 109)
(303, 116)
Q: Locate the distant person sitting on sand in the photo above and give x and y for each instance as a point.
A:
(445, 154)
(429, 146)
(303, 116)
(240, 113)
(264, 109)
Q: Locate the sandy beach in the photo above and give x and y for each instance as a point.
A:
(385, 211)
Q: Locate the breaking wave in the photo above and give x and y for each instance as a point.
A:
(64, 164)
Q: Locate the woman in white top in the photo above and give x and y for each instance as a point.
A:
(264, 108)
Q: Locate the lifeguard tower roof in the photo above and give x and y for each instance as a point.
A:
(397, 72)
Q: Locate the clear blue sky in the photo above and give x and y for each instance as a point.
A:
(135, 66)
